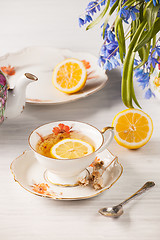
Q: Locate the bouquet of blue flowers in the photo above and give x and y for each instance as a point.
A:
(130, 38)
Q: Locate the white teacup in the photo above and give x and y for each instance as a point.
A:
(66, 171)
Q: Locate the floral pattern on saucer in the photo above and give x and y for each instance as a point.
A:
(30, 175)
(43, 188)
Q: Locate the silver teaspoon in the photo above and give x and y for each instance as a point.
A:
(117, 210)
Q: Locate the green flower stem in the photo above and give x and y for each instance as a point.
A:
(153, 41)
(98, 19)
(153, 24)
(127, 77)
(133, 94)
(108, 16)
(119, 33)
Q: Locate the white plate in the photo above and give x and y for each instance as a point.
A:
(30, 175)
(41, 61)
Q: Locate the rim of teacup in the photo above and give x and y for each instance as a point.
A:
(61, 122)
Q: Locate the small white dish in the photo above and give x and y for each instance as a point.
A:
(41, 62)
(30, 175)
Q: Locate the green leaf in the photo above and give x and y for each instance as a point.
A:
(141, 12)
(127, 77)
(145, 56)
(130, 3)
(98, 19)
(155, 28)
(153, 41)
(119, 33)
(149, 35)
(130, 79)
(129, 95)
(134, 96)
(108, 16)
(125, 88)
(137, 35)
(133, 29)
(141, 53)
(151, 14)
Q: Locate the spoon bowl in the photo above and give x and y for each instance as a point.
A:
(115, 211)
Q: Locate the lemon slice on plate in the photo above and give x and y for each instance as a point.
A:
(133, 128)
(71, 148)
(69, 76)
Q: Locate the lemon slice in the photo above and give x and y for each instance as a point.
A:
(69, 76)
(71, 148)
(133, 128)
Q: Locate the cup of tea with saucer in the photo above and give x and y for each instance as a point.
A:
(66, 148)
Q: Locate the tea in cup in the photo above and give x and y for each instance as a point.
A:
(67, 148)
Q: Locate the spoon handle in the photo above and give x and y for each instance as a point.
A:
(145, 187)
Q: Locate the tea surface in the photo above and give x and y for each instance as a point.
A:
(45, 143)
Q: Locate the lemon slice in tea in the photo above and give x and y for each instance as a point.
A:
(71, 148)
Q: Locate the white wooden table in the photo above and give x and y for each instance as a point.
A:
(24, 216)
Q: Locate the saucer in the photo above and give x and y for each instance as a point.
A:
(41, 61)
(30, 175)
(64, 182)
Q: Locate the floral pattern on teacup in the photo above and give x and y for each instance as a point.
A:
(61, 129)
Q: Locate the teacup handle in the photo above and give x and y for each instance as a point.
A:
(109, 139)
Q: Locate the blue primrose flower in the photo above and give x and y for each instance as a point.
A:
(138, 72)
(107, 60)
(103, 50)
(111, 36)
(88, 18)
(112, 2)
(125, 13)
(114, 62)
(143, 82)
(149, 94)
(81, 22)
(154, 2)
(106, 31)
(102, 2)
(157, 48)
(151, 61)
(101, 61)
(136, 62)
(117, 54)
(143, 78)
(132, 11)
(109, 56)
(112, 46)
(91, 7)
(108, 65)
